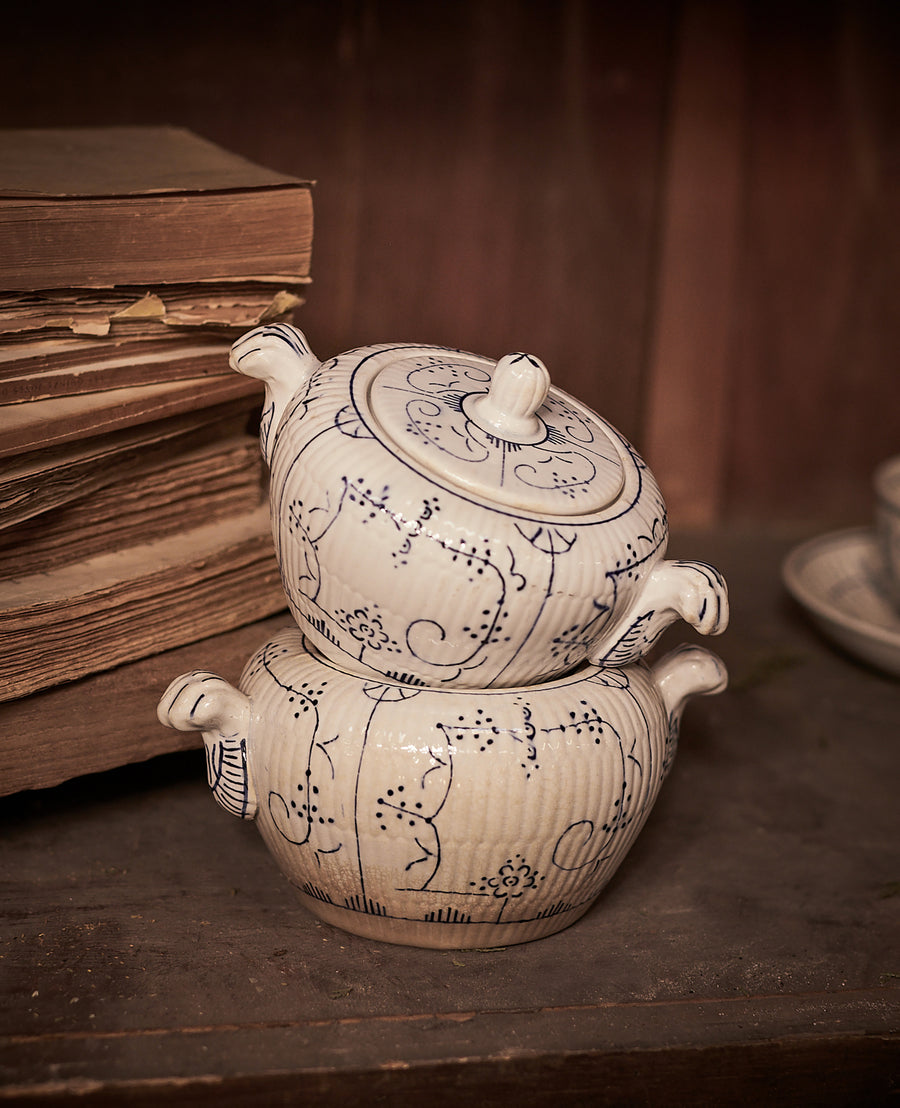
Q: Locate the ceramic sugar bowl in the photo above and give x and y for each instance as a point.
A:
(434, 816)
(444, 520)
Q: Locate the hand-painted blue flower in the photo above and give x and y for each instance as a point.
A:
(366, 628)
(512, 880)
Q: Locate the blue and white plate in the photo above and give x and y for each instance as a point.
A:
(838, 579)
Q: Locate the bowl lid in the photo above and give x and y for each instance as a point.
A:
(498, 430)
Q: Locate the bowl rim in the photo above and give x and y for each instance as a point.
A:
(794, 577)
(886, 481)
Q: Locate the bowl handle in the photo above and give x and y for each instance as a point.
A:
(684, 672)
(692, 591)
(202, 701)
(279, 355)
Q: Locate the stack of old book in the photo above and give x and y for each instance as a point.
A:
(132, 502)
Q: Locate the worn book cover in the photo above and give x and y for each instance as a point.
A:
(93, 207)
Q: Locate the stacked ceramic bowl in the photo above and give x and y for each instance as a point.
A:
(458, 742)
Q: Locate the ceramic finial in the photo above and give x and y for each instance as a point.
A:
(518, 389)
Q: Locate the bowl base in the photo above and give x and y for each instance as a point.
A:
(439, 934)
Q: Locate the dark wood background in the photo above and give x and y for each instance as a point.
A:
(689, 210)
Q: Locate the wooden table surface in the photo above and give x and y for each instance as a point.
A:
(747, 950)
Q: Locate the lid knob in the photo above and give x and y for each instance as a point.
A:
(508, 409)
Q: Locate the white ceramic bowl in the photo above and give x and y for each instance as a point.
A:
(442, 519)
(887, 520)
(436, 817)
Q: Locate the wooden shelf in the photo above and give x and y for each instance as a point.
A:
(746, 951)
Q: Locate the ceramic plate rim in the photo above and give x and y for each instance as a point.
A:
(803, 555)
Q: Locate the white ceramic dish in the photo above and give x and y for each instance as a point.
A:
(887, 522)
(839, 579)
(443, 519)
(441, 817)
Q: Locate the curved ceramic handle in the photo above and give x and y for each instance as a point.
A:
(508, 409)
(692, 591)
(684, 672)
(203, 701)
(279, 355)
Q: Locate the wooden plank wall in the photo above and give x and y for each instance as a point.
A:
(815, 375)
(687, 413)
(688, 209)
(773, 380)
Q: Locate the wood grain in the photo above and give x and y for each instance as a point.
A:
(688, 388)
(487, 174)
(744, 954)
(503, 176)
(815, 382)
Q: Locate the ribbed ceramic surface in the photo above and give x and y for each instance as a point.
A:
(448, 818)
(840, 579)
(426, 406)
(394, 573)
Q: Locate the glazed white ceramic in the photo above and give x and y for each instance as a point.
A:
(438, 817)
(887, 521)
(444, 520)
(839, 579)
